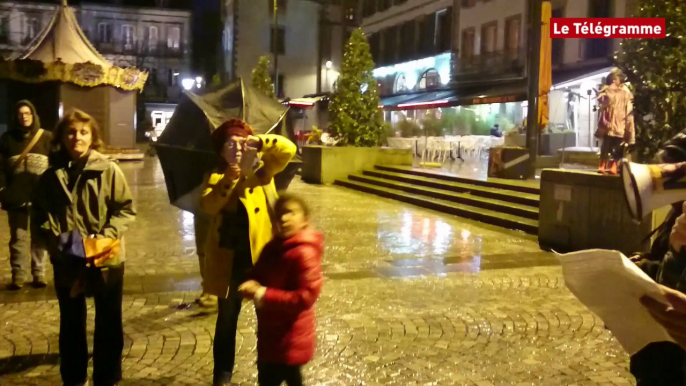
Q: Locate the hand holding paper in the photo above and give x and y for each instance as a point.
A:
(612, 287)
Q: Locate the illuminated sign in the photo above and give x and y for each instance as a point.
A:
(441, 63)
(503, 99)
(160, 119)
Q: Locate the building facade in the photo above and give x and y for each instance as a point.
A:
(157, 39)
(309, 39)
(460, 56)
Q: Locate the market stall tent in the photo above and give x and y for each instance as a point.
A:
(61, 70)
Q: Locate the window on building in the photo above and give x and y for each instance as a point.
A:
(428, 35)
(174, 38)
(128, 36)
(468, 38)
(153, 38)
(407, 36)
(513, 35)
(33, 27)
(350, 12)
(444, 30)
(374, 47)
(599, 48)
(390, 45)
(105, 33)
(429, 80)
(4, 29)
(280, 40)
(280, 5)
(368, 8)
(468, 3)
(173, 77)
(489, 37)
(558, 45)
(282, 84)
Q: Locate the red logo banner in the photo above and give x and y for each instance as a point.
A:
(607, 28)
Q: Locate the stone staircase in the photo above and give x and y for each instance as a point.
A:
(504, 203)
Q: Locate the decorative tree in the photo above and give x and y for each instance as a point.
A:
(355, 116)
(656, 70)
(261, 79)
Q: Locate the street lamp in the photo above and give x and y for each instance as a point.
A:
(329, 64)
(188, 83)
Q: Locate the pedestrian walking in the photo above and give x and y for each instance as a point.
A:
(82, 208)
(239, 195)
(24, 151)
(284, 284)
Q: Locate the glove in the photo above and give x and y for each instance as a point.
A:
(100, 250)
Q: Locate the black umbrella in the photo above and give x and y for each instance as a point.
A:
(185, 146)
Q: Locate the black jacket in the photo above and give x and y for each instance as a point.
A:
(17, 181)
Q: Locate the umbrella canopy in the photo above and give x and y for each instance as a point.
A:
(185, 146)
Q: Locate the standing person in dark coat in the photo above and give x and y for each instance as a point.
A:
(286, 282)
(82, 208)
(662, 363)
(24, 151)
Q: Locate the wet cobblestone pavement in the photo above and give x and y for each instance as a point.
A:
(411, 297)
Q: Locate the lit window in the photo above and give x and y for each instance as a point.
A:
(105, 33)
(174, 38)
(32, 27)
(128, 36)
(153, 38)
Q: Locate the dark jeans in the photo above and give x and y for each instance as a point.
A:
(227, 321)
(21, 249)
(273, 374)
(611, 148)
(108, 341)
(659, 364)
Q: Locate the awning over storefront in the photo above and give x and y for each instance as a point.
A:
(461, 96)
(576, 76)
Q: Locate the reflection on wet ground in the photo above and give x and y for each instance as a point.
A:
(366, 236)
(412, 297)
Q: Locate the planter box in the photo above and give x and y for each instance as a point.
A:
(582, 210)
(326, 164)
(508, 162)
(548, 144)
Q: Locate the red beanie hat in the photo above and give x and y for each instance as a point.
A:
(236, 127)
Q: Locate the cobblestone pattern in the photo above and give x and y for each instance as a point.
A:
(505, 327)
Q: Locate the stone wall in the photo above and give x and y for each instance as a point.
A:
(325, 164)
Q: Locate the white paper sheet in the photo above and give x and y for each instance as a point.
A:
(611, 286)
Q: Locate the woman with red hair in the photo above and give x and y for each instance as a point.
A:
(240, 195)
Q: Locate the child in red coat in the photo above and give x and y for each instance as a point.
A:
(286, 281)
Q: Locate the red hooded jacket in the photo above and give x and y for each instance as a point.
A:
(291, 271)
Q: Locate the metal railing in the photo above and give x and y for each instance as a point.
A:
(492, 63)
(119, 47)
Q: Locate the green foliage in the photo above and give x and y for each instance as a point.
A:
(656, 69)
(450, 120)
(355, 116)
(261, 79)
(408, 128)
(433, 127)
(387, 132)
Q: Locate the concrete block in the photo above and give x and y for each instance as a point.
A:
(583, 210)
(326, 164)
